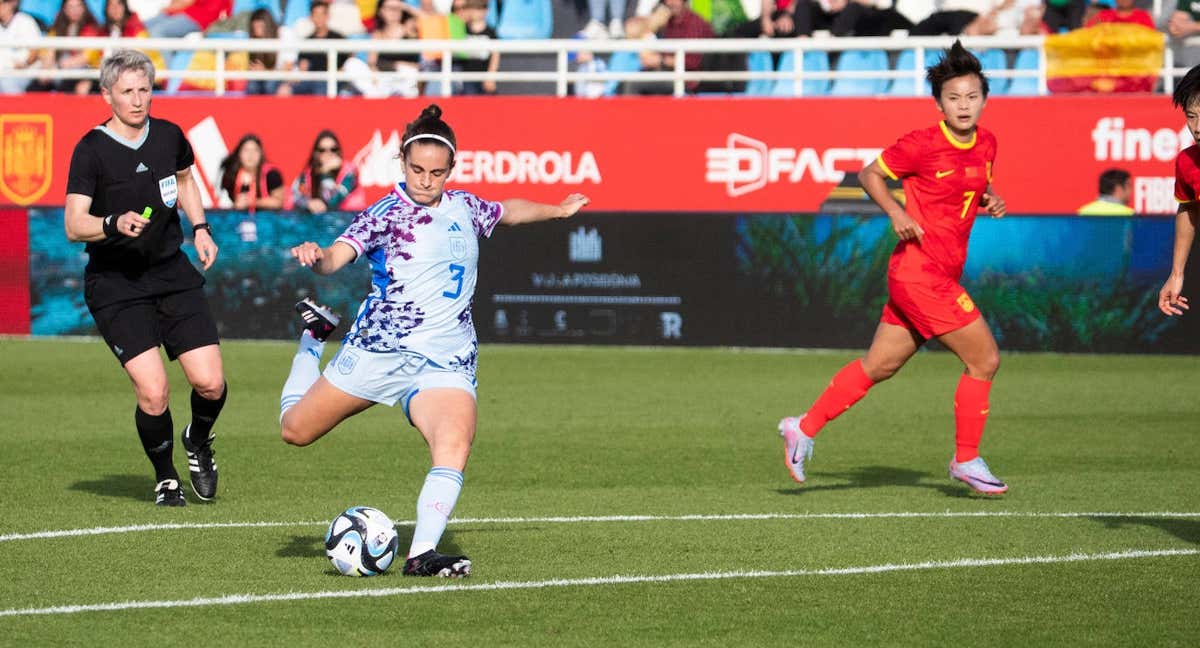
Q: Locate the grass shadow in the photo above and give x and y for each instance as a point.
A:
(1187, 530)
(138, 487)
(879, 477)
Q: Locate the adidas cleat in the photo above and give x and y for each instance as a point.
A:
(975, 473)
(168, 493)
(797, 446)
(202, 466)
(318, 320)
(432, 563)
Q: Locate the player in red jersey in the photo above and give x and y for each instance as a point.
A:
(947, 171)
(1187, 192)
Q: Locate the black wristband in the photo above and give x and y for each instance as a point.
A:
(202, 226)
(110, 226)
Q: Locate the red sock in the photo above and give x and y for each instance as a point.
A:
(970, 415)
(847, 387)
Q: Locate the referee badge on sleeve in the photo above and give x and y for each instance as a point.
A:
(168, 188)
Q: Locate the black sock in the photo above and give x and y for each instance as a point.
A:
(156, 433)
(204, 414)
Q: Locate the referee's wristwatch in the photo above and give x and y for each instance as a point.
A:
(202, 226)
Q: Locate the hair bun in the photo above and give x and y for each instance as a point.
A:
(432, 111)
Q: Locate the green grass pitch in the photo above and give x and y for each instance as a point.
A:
(1097, 543)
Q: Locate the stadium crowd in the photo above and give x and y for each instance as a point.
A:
(303, 20)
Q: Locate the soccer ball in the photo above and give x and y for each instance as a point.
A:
(361, 541)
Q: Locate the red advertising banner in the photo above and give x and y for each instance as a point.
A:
(637, 154)
(14, 272)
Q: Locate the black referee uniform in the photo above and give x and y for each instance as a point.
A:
(143, 291)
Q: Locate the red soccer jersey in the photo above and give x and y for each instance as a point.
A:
(943, 182)
(1187, 174)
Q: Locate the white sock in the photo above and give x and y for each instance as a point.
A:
(434, 506)
(306, 368)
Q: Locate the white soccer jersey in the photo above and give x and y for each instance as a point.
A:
(423, 270)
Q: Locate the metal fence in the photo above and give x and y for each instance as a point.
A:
(439, 78)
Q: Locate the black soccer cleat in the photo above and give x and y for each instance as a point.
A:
(168, 493)
(202, 466)
(432, 563)
(318, 320)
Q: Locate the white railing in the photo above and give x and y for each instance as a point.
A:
(562, 76)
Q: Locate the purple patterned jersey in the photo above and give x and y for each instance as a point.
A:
(423, 269)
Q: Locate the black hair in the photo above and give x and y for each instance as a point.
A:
(430, 123)
(956, 61)
(1111, 179)
(314, 160)
(1187, 90)
(233, 163)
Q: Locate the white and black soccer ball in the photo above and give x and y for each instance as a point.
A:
(361, 541)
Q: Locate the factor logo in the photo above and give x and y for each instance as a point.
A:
(26, 157)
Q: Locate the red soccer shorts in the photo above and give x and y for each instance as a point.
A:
(931, 307)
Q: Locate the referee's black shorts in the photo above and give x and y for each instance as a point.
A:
(178, 321)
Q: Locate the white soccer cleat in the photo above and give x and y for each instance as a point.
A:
(975, 473)
(797, 446)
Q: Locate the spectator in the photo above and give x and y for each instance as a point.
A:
(345, 18)
(15, 25)
(778, 20)
(1065, 15)
(1182, 24)
(681, 22)
(183, 17)
(850, 17)
(73, 19)
(327, 182)
(263, 26)
(964, 17)
(473, 14)
(1124, 12)
(315, 60)
(1114, 196)
(616, 17)
(248, 181)
(389, 74)
(119, 22)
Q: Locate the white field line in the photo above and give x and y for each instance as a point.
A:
(237, 599)
(135, 528)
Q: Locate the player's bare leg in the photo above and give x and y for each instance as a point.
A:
(892, 347)
(318, 412)
(446, 418)
(975, 345)
(154, 425)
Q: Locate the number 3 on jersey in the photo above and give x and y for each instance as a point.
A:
(456, 275)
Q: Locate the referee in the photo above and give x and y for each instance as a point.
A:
(129, 176)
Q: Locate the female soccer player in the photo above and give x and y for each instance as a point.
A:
(947, 173)
(413, 341)
(1187, 192)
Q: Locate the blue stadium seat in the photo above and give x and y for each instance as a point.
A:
(493, 15)
(621, 62)
(907, 62)
(180, 61)
(1027, 59)
(860, 61)
(240, 6)
(995, 60)
(97, 7)
(295, 10)
(760, 62)
(526, 19)
(44, 11)
(813, 61)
